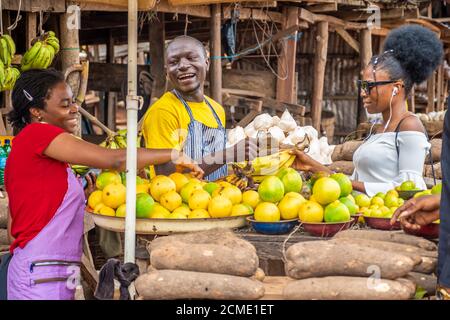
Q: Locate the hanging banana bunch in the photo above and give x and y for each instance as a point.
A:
(42, 52)
(8, 74)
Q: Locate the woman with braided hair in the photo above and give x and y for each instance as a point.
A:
(46, 201)
(395, 152)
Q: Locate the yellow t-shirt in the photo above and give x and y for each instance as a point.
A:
(166, 122)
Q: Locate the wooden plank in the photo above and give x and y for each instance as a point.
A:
(326, 7)
(320, 61)
(274, 286)
(157, 53)
(348, 38)
(251, 80)
(431, 89)
(394, 13)
(249, 117)
(305, 15)
(412, 101)
(206, 2)
(215, 74)
(260, 4)
(286, 61)
(34, 6)
(279, 106)
(439, 87)
(365, 56)
(114, 5)
(31, 27)
(257, 14)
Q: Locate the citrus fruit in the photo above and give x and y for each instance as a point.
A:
(160, 185)
(107, 211)
(380, 195)
(292, 180)
(114, 195)
(365, 211)
(177, 215)
(352, 199)
(271, 189)
(199, 214)
(121, 211)
(241, 210)
(159, 212)
(210, 187)
(326, 190)
(170, 200)
(224, 184)
(437, 189)
(233, 193)
(390, 200)
(179, 179)
(184, 210)
(220, 207)
(295, 195)
(351, 206)
(392, 192)
(144, 205)
(378, 201)
(376, 213)
(189, 189)
(267, 212)
(142, 188)
(98, 207)
(289, 207)
(400, 202)
(386, 212)
(407, 186)
(95, 198)
(251, 197)
(344, 183)
(107, 177)
(336, 212)
(199, 200)
(310, 211)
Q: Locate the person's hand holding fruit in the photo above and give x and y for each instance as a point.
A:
(418, 212)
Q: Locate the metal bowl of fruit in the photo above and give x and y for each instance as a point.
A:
(276, 227)
(381, 223)
(430, 231)
(327, 229)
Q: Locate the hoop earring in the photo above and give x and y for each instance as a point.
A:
(40, 119)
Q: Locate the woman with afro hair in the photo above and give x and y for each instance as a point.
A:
(395, 152)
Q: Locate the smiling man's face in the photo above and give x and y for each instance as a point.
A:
(187, 64)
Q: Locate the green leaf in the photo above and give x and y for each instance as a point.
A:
(420, 293)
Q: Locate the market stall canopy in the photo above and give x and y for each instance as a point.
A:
(143, 5)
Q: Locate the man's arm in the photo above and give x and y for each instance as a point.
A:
(10, 237)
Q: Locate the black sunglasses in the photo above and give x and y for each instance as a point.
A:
(366, 86)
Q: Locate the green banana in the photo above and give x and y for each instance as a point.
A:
(11, 44)
(79, 169)
(52, 54)
(54, 42)
(41, 58)
(30, 55)
(2, 75)
(4, 52)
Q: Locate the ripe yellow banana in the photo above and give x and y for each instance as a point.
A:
(269, 165)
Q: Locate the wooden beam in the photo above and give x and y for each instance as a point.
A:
(365, 56)
(286, 61)
(257, 14)
(305, 15)
(348, 38)
(108, 76)
(431, 89)
(215, 73)
(356, 3)
(31, 28)
(440, 79)
(112, 101)
(157, 40)
(326, 7)
(34, 5)
(394, 13)
(320, 61)
(204, 2)
(260, 4)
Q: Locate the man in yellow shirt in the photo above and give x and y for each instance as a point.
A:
(185, 118)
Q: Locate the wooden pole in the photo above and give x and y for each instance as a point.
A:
(412, 101)
(431, 89)
(215, 71)
(365, 43)
(157, 40)
(286, 61)
(440, 73)
(70, 51)
(31, 27)
(320, 61)
(111, 111)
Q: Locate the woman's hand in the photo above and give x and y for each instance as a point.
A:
(91, 178)
(418, 212)
(303, 162)
(183, 162)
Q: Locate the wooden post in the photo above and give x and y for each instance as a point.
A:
(431, 89)
(440, 73)
(365, 50)
(320, 61)
(157, 40)
(70, 51)
(286, 61)
(111, 106)
(215, 71)
(31, 27)
(412, 101)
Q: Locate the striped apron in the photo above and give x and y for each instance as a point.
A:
(202, 140)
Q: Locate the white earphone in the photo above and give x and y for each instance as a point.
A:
(395, 91)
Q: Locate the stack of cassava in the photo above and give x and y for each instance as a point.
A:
(4, 242)
(342, 158)
(213, 264)
(362, 265)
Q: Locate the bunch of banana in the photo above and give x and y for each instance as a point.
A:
(8, 77)
(268, 165)
(239, 178)
(79, 169)
(7, 49)
(42, 53)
